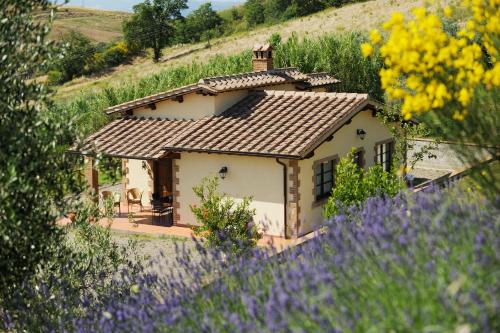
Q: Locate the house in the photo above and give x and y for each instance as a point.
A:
(273, 134)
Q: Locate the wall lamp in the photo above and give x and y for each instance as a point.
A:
(361, 133)
(223, 172)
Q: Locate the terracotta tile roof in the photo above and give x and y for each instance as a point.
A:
(271, 123)
(133, 137)
(219, 84)
(153, 98)
(253, 79)
(320, 79)
(266, 123)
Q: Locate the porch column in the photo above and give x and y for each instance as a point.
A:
(125, 181)
(92, 176)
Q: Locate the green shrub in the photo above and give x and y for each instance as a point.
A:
(353, 185)
(96, 63)
(86, 260)
(35, 175)
(224, 223)
(116, 54)
(77, 51)
(55, 77)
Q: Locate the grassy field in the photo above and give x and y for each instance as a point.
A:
(98, 25)
(360, 16)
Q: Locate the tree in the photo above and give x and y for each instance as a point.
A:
(204, 21)
(254, 12)
(35, 173)
(153, 24)
(274, 9)
(77, 51)
(306, 7)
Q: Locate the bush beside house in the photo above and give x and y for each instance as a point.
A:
(225, 224)
(353, 186)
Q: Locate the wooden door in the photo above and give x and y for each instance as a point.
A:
(163, 177)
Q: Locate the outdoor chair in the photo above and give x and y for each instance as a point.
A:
(108, 195)
(134, 197)
(162, 214)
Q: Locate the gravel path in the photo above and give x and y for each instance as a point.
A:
(151, 247)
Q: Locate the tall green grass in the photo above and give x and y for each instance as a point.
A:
(336, 54)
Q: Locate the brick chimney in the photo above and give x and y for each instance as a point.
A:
(262, 58)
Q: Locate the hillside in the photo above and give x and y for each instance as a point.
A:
(360, 16)
(98, 25)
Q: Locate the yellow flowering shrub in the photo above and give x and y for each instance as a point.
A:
(431, 70)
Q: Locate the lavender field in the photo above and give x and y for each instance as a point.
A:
(426, 262)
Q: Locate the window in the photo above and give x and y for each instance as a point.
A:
(383, 155)
(358, 158)
(324, 180)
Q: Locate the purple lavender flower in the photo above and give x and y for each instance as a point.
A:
(420, 260)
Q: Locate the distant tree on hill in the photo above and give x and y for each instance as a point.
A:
(152, 24)
(202, 22)
(299, 8)
(254, 12)
(78, 50)
(274, 9)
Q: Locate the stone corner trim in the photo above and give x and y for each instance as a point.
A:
(293, 224)
(175, 192)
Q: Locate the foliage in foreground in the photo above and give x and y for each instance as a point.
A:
(74, 279)
(353, 185)
(35, 174)
(450, 80)
(38, 262)
(420, 262)
(226, 224)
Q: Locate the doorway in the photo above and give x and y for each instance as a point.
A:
(162, 171)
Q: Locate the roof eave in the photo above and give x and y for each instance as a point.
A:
(368, 102)
(112, 110)
(131, 157)
(229, 152)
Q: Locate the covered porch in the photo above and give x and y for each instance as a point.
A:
(147, 192)
(150, 179)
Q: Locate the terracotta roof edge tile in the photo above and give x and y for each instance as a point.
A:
(355, 110)
(138, 102)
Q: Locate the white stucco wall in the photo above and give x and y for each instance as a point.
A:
(311, 212)
(228, 99)
(139, 177)
(194, 106)
(259, 177)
